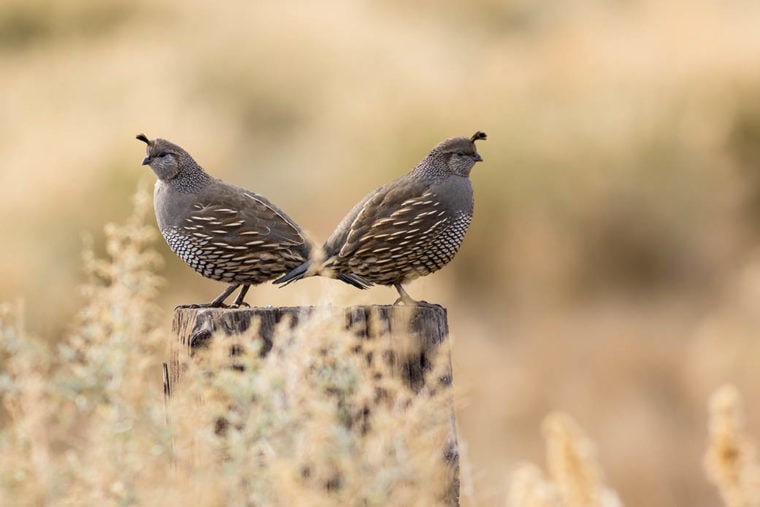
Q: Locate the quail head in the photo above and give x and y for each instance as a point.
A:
(404, 229)
(223, 232)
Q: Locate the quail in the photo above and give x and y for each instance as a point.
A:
(410, 227)
(223, 232)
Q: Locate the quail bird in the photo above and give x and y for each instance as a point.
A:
(223, 232)
(404, 229)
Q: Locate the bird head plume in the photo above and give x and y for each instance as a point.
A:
(144, 138)
(165, 158)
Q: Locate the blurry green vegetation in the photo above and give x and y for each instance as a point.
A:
(259, 109)
(27, 23)
(744, 147)
(611, 269)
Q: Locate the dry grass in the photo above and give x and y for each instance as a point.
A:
(309, 424)
(74, 409)
(731, 461)
(575, 474)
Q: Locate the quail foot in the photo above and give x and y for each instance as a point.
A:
(223, 232)
(405, 229)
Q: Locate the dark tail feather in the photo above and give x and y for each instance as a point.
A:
(302, 271)
(295, 275)
(355, 280)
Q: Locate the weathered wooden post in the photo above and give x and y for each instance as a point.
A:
(415, 334)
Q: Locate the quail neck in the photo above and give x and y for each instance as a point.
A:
(455, 156)
(175, 167)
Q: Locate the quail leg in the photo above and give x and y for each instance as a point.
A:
(219, 301)
(239, 300)
(404, 297)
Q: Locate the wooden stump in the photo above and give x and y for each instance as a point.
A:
(414, 334)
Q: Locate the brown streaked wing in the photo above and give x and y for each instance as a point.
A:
(248, 222)
(397, 237)
(245, 239)
(385, 201)
(282, 227)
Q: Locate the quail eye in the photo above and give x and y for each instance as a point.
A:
(162, 154)
(460, 153)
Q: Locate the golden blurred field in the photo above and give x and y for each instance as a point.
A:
(612, 270)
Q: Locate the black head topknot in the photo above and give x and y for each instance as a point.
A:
(477, 136)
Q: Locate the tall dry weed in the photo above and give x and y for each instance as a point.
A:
(576, 478)
(313, 421)
(85, 424)
(731, 460)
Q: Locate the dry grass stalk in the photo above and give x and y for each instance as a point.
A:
(529, 488)
(571, 459)
(731, 460)
(576, 479)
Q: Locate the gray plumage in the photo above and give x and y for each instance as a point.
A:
(223, 232)
(410, 227)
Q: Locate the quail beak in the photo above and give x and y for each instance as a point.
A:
(146, 160)
(478, 158)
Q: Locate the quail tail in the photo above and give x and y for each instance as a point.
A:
(355, 280)
(295, 274)
(304, 269)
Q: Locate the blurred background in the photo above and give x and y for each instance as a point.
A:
(612, 269)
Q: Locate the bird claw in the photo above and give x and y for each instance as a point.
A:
(405, 298)
(196, 306)
(185, 307)
(408, 301)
